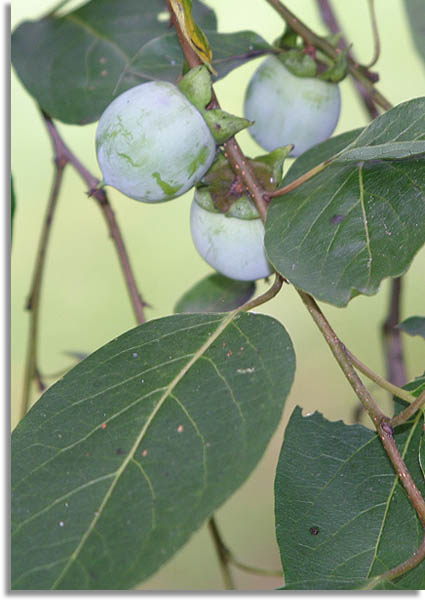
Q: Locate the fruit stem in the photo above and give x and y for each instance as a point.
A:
(357, 71)
(233, 153)
(300, 180)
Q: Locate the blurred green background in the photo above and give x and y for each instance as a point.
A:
(85, 303)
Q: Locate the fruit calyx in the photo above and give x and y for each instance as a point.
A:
(196, 86)
(304, 60)
(222, 191)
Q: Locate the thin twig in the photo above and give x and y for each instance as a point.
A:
(360, 73)
(33, 302)
(376, 40)
(391, 335)
(300, 180)
(409, 411)
(378, 379)
(222, 554)
(102, 200)
(386, 433)
(329, 18)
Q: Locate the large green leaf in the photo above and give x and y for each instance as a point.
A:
(162, 57)
(352, 225)
(416, 14)
(75, 65)
(120, 461)
(215, 293)
(414, 326)
(342, 517)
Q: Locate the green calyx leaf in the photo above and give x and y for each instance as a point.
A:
(275, 161)
(221, 190)
(299, 63)
(223, 125)
(241, 208)
(337, 69)
(196, 86)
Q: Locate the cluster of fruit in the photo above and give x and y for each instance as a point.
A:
(156, 141)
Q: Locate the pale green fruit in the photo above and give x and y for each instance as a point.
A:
(231, 245)
(152, 143)
(288, 109)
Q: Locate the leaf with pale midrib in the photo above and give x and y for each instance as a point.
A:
(336, 481)
(352, 225)
(124, 458)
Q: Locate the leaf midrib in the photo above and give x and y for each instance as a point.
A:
(203, 348)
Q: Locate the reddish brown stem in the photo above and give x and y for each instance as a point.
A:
(33, 302)
(329, 18)
(391, 334)
(100, 196)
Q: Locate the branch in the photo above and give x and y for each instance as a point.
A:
(222, 553)
(340, 353)
(329, 18)
(391, 336)
(232, 151)
(33, 303)
(379, 380)
(102, 200)
(386, 433)
(357, 71)
(409, 411)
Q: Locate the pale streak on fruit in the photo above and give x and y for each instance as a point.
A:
(152, 143)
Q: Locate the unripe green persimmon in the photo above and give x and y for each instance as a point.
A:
(231, 243)
(152, 143)
(288, 109)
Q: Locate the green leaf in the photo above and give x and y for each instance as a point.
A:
(352, 225)
(342, 517)
(416, 14)
(12, 206)
(76, 64)
(394, 150)
(414, 326)
(215, 293)
(124, 458)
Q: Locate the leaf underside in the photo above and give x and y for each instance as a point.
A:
(414, 326)
(215, 293)
(342, 518)
(75, 65)
(124, 458)
(346, 229)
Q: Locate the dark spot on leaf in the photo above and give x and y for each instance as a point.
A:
(314, 530)
(119, 451)
(337, 219)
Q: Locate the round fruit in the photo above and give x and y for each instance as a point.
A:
(288, 109)
(231, 243)
(152, 143)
